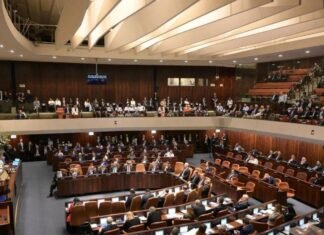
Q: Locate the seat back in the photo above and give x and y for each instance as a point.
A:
(218, 161)
(192, 196)
(283, 186)
(223, 213)
(280, 168)
(226, 164)
(118, 207)
(179, 198)
(207, 216)
(256, 174)
(213, 170)
(277, 181)
(301, 175)
(290, 172)
(268, 164)
(136, 228)
(153, 201)
(198, 169)
(140, 167)
(229, 154)
(104, 208)
(244, 170)
(178, 168)
(250, 186)
(159, 224)
(169, 200)
(181, 221)
(78, 215)
(238, 157)
(136, 203)
(91, 209)
(259, 226)
(235, 166)
(115, 231)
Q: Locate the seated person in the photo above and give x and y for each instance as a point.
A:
(251, 159)
(131, 220)
(246, 229)
(292, 160)
(318, 179)
(268, 179)
(130, 198)
(205, 188)
(76, 202)
(75, 111)
(162, 196)
(3, 174)
(169, 153)
(318, 166)
(196, 210)
(110, 226)
(220, 206)
(201, 230)
(185, 174)
(115, 166)
(91, 169)
(303, 162)
(145, 197)
(276, 215)
(231, 175)
(242, 203)
(21, 114)
(208, 168)
(290, 212)
(166, 167)
(154, 216)
(195, 179)
(128, 166)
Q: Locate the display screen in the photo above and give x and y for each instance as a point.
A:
(96, 79)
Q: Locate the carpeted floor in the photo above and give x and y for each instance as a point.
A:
(39, 215)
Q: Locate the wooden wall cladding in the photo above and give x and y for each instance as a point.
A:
(47, 80)
(5, 76)
(264, 143)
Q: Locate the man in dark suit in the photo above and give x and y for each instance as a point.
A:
(185, 174)
(130, 198)
(195, 180)
(220, 206)
(110, 226)
(154, 216)
(145, 197)
(268, 179)
(198, 208)
(242, 203)
(247, 228)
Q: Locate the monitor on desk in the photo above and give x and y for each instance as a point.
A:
(177, 189)
(188, 206)
(287, 229)
(271, 233)
(115, 199)
(301, 222)
(204, 202)
(208, 225)
(103, 222)
(269, 206)
(172, 211)
(224, 221)
(255, 211)
(315, 216)
(160, 232)
(183, 229)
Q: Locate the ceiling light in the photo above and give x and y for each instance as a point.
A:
(13, 136)
(280, 55)
(217, 130)
(1, 46)
(109, 59)
(153, 131)
(91, 133)
(307, 52)
(186, 61)
(273, 64)
(298, 62)
(54, 57)
(161, 61)
(256, 58)
(135, 60)
(234, 61)
(12, 51)
(82, 58)
(21, 55)
(240, 64)
(210, 61)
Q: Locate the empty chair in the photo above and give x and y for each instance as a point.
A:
(91, 209)
(153, 201)
(218, 161)
(115, 231)
(181, 221)
(268, 164)
(244, 170)
(169, 200)
(238, 157)
(235, 166)
(280, 168)
(235, 181)
(259, 226)
(179, 198)
(118, 207)
(104, 208)
(207, 216)
(250, 188)
(78, 216)
(284, 187)
(192, 196)
(277, 181)
(226, 164)
(229, 154)
(178, 168)
(301, 175)
(159, 224)
(140, 167)
(256, 174)
(136, 228)
(135, 203)
(290, 172)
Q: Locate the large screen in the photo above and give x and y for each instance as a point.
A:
(96, 79)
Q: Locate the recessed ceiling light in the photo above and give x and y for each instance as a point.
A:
(240, 64)
(186, 61)
(307, 52)
(234, 61)
(256, 58)
(1, 46)
(135, 60)
(210, 61)
(273, 64)
(280, 55)
(54, 57)
(161, 61)
(82, 58)
(21, 55)
(109, 59)
(298, 62)
(12, 51)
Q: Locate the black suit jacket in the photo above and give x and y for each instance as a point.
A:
(130, 223)
(219, 208)
(195, 181)
(129, 200)
(108, 228)
(241, 206)
(247, 229)
(198, 210)
(154, 216)
(270, 180)
(145, 198)
(185, 174)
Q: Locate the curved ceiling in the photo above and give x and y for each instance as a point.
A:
(187, 32)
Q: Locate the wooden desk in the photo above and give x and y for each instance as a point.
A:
(115, 182)
(5, 226)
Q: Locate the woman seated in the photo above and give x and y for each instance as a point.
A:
(131, 220)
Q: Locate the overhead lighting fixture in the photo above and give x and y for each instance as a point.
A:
(240, 64)
(210, 61)
(13, 136)
(273, 64)
(307, 52)
(186, 61)
(91, 133)
(12, 51)
(153, 131)
(82, 58)
(109, 59)
(256, 58)
(217, 130)
(1, 46)
(54, 57)
(21, 55)
(161, 61)
(280, 55)
(298, 62)
(135, 60)
(234, 61)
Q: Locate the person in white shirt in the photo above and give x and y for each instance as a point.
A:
(58, 102)
(36, 105)
(75, 111)
(132, 103)
(282, 98)
(169, 153)
(87, 105)
(229, 103)
(51, 105)
(251, 159)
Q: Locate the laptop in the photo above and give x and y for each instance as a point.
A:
(183, 229)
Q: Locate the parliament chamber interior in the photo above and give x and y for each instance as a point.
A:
(161, 117)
